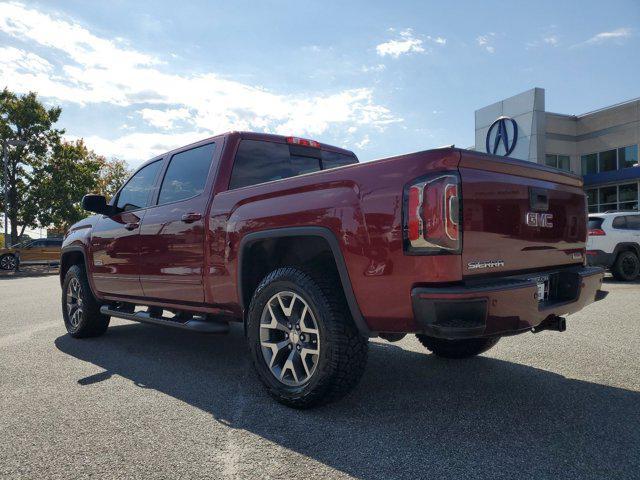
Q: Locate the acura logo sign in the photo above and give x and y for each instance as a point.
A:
(504, 131)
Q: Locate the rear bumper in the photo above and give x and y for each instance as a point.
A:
(502, 306)
(600, 258)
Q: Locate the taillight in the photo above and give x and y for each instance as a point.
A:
(432, 215)
(596, 232)
(303, 141)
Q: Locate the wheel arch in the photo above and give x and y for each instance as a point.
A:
(73, 255)
(626, 247)
(291, 245)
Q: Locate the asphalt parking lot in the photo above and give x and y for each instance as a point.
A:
(143, 401)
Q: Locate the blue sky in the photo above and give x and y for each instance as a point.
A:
(380, 78)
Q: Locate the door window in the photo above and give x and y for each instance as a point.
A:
(135, 194)
(187, 174)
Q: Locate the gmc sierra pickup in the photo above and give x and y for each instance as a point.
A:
(315, 253)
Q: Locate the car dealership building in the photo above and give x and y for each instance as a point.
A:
(602, 145)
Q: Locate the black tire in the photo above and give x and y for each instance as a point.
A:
(626, 267)
(342, 350)
(457, 348)
(85, 320)
(8, 261)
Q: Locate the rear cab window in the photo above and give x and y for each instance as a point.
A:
(259, 161)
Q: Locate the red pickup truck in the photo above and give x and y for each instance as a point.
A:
(315, 253)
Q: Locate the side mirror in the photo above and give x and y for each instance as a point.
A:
(97, 204)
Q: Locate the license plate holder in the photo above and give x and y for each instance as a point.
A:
(542, 285)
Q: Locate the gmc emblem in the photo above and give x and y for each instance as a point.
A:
(542, 220)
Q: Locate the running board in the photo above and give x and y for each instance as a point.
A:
(195, 325)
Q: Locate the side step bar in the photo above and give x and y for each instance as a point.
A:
(194, 324)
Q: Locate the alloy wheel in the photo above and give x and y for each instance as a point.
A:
(8, 262)
(289, 338)
(74, 302)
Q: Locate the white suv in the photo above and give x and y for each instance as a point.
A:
(614, 243)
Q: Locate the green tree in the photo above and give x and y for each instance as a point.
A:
(112, 176)
(59, 183)
(25, 118)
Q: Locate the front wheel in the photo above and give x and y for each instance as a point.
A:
(8, 262)
(457, 348)
(80, 309)
(303, 342)
(627, 267)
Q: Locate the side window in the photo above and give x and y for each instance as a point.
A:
(259, 162)
(135, 194)
(633, 222)
(336, 159)
(619, 223)
(38, 244)
(54, 243)
(187, 174)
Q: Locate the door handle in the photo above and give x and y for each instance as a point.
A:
(131, 226)
(191, 217)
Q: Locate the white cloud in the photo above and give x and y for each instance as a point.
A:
(139, 147)
(165, 119)
(551, 40)
(93, 70)
(617, 36)
(486, 42)
(364, 142)
(373, 68)
(407, 43)
(437, 40)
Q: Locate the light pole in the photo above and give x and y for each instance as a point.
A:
(5, 158)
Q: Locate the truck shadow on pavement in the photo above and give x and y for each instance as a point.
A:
(412, 416)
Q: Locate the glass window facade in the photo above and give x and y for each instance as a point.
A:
(558, 161)
(608, 160)
(627, 156)
(613, 197)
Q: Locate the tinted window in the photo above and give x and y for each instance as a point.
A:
(619, 222)
(595, 222)
(54, 243)
(38, 244)
(609, 195)
(259, 162)
(336, 159)
(135, 194)
(302, 164)
(607, 160)
(187, 174)
(628, 156)
(633, 222)
(590, 163)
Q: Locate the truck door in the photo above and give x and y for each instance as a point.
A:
(115, 240)
(172, 235)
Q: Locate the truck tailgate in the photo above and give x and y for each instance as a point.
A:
(519, 216)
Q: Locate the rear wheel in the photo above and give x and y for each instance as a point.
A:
(304, 344)
(8, 262)
(457, 348)
(626, 267)
(80, 309)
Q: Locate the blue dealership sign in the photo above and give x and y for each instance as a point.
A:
(498, 134)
